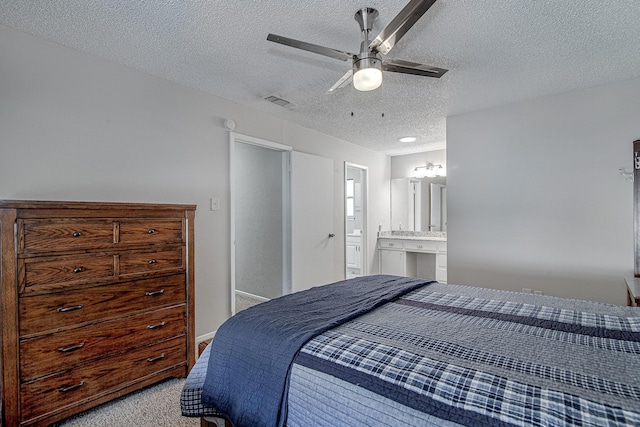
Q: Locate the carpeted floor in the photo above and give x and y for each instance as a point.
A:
(155, 406)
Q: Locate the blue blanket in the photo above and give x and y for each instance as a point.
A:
(252, 352)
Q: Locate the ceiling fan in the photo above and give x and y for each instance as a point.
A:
(366, 72)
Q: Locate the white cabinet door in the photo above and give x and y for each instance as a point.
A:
(441, 272)
(312, 248)
(354, 252)
(352, 255)
(392, 262)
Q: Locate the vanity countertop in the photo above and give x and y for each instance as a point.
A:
(438, 236)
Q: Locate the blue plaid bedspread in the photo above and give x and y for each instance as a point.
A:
(251, 354)
(447, 355)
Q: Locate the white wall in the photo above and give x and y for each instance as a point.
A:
(77, 127)
(535, 198)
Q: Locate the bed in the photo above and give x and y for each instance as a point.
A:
(389, 351)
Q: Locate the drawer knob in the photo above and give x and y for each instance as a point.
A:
(155, 359)
(77, 234)
(78, 269)
(391, 245)
(154, 293)
(152, 261)
(72, 308)
(70, 388)
(419, 246)
(159, 325)
(72, 348)
(152, 231)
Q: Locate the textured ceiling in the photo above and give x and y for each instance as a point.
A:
(496, 51)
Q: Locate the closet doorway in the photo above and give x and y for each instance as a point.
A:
(260, 184)
(355, 190)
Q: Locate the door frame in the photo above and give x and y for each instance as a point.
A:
(365, 219)
(246, 139)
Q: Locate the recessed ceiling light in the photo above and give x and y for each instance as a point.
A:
(408, 139)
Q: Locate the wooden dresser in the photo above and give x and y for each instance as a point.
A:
(97, 301)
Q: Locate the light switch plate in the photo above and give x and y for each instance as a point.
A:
(215, 203)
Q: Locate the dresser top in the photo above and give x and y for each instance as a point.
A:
(40, 204)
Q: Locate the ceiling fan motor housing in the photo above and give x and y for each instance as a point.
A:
(367, 60)
(367, 65)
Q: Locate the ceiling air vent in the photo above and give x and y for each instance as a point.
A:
(279, 101)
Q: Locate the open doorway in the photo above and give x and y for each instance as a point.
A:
(260, 220)
(355, 190)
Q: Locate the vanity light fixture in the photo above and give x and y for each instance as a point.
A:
(429, 170)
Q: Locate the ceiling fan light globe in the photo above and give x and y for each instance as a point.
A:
(367, 79)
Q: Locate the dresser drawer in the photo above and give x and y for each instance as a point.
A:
(66, 269)
(150, 261)
(57, 352)
(64, 234)
(391, 244)
(57, 391)
(41, 313)
(151, 231)
(421, 246)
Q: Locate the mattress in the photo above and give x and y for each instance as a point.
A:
(451, 355)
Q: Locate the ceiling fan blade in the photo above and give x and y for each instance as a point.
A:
(400, 25)
(344, 80)
(406, 67)
(326, 51)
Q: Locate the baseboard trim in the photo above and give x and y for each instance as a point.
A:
(247, 294)
(205, 337)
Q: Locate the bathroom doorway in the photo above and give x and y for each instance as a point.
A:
(355, 190)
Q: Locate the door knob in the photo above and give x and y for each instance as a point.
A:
(331, 235)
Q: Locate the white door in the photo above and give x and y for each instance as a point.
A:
(436, 208)
(356, 183)
(415, 205)
(313, 234)
(444, 209)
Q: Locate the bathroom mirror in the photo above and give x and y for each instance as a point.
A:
(419, 204)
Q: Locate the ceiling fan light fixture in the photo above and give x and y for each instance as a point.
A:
(367, 79)
(368, 74)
